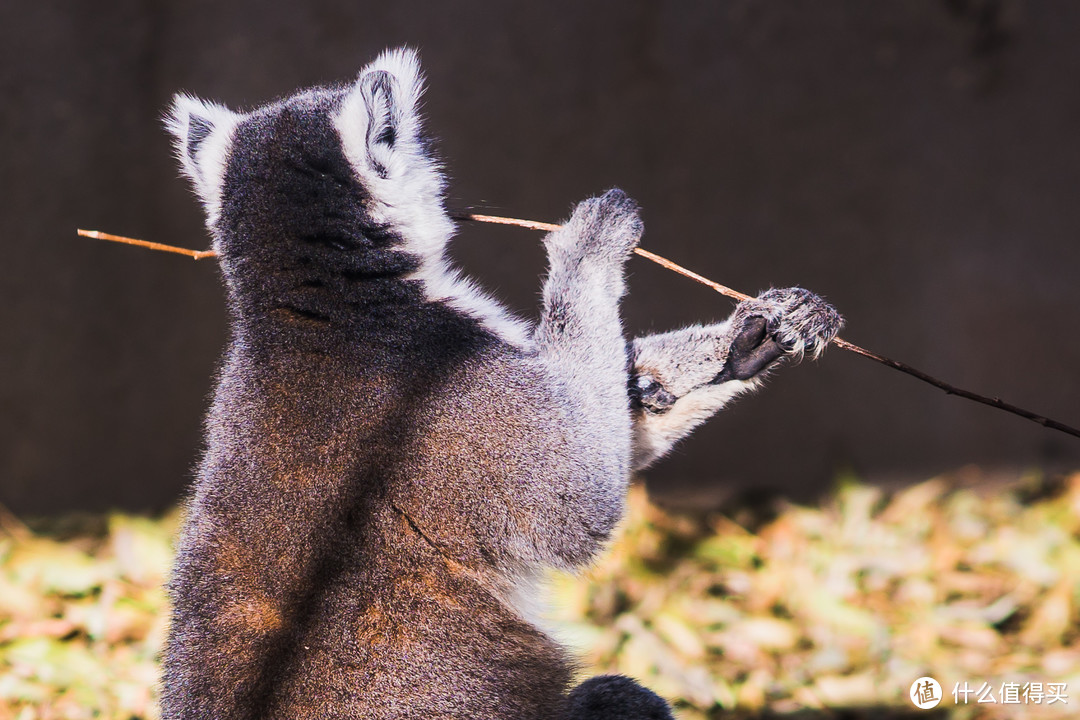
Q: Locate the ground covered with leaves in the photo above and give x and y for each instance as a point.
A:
(830, 611)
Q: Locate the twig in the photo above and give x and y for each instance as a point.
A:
(838, 342)
(674, 267)
(499, 220)
(193, 254)
(953, 390)
(551, 227)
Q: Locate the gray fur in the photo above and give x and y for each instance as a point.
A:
(391, 459)
(682, 378)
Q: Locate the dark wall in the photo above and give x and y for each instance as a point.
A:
(916, 162)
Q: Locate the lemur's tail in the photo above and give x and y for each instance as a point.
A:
(615, 697)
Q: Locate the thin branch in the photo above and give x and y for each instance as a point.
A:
(193, 254)
(664, 262)
(838, 342)
(674, 267)
(499, 220)
(953, 390)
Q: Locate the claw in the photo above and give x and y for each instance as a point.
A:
(791, 322)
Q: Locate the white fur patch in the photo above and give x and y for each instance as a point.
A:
(406, 185)
(655, 434)
(529, 599)
(444, 284)
(206, 166)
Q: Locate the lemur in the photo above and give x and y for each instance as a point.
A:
(392, 460)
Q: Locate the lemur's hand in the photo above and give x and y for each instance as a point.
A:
(679, 379)
(604, 228)
(787, 323)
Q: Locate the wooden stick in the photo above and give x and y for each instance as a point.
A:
(193, 254)
(953, 390)
(837, 341)
(499, 220)
(662, 261)
(674, 267)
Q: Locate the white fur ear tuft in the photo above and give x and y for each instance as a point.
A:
(378, 123)
(379, 120)
(403, 65)
(202, 133)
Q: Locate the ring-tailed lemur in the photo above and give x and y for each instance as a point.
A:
(392, 460)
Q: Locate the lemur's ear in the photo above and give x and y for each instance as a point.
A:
(202, 133)
(379, 119)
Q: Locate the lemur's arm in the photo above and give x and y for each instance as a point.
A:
(679, 379)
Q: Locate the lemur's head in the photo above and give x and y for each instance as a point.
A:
(336, 177)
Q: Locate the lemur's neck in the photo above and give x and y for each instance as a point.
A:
(337, 289)
(338, 301)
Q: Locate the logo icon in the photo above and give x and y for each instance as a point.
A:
(925, 693)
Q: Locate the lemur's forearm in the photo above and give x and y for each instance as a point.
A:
(679, 379)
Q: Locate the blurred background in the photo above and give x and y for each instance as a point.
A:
(917, 163)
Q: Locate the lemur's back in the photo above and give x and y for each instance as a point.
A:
(317, 582)
(392, 461)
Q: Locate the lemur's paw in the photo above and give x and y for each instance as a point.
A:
(807, 324)
(789, 322)
(607, 227)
